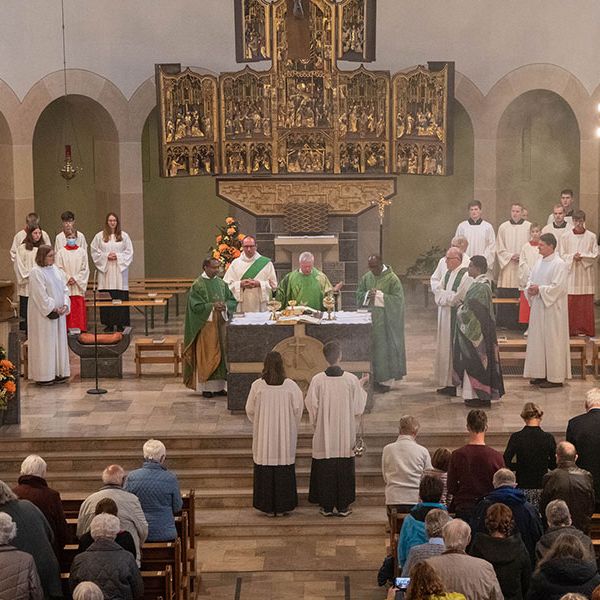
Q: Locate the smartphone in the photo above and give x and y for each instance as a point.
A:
(402, 582)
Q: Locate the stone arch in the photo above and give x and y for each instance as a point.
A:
(7, 191)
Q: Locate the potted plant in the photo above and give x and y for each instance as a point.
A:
(8, 385)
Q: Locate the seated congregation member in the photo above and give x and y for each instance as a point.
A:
(87, 590)
(526, 517)
(274, 407)
(503, 548)
(158, 491)
(123, 538)
(402, 464)
(566, 567)
(24, 262)
(531, 453)
(413, 532)
(107, 564)
(19, 578)
(130, 513)
(472, 467)
(435, 520)
(335, 399)
(35, 537)
(573, 485)
(425, 584)
(473, 577)
(69, 228)
(559, 522)
(440, 462)
(46, 317)
(32, 221)
(32, 486)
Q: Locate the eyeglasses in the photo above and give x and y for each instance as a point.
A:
(249, 246)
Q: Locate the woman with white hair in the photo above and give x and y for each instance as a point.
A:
(19, 580)
(87, 590)
(158, 491)
(32, 486)
(107, 564)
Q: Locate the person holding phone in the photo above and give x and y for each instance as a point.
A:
(423, 584)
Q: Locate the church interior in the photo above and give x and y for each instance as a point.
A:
(290, 119)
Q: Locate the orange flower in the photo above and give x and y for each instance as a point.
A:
(216, 254)
(222, 247)
(229, 220)
(241, 236)
(10, 387)
(219, 239)
(231, 231)
(6, 364)
(235, 253)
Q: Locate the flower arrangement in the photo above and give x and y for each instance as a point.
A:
(228, 242)
(8, 384)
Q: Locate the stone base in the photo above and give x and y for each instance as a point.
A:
(108, 368)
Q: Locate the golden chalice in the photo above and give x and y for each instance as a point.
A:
(273, 306)
(329, 304)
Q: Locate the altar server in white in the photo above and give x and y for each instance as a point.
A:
(274, 407)
(48, 306)
(437, 277)
(251, 278)
(528, 256)
(335, 400)
(68, 225)
(24, 262)
(548, 356)
(559, 225)
(567, 201)
(448, 297)
(32, 221)
(479, 233)
(579, 249)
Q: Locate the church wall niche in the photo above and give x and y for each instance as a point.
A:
(7, 205)
(95, 190)
(537, 154)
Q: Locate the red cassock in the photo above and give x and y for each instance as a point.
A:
(524, 308)
(77, 318)
(581, 315)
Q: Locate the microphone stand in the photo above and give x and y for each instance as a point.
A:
(96, 390)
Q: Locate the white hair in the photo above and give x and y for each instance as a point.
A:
(87, 590)
(558, 514)
(113, 474)
(592, 398)
(409, 425)
(105, 526)
(504, 477)
(154, 450)
(6, 494)
(306, 257)
(457, 535)
(34, 465)
(8, 529)
(460, 242)
(435, 520)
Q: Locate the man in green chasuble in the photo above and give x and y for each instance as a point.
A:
(307, 286)
(381, 291)
(210, 302)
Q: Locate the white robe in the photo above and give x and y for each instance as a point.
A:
(528, 256)
(333, 405)
(548, 353)
(25, 261)
(437, 277)
(481, 238)
(18, 240)
(251, 299)
(74, 263)
(559, 232)
(275, 412)
(47, 338)
(112, 274)
(550, 220)
(509, 241)
(61, 241)
(582, 274)
(445, 299)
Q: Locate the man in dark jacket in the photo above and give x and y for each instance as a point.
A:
(527, 519)
(573, 485)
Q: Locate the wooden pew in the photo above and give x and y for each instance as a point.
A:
(159, 555)
(396, 519)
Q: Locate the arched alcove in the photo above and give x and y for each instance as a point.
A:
(7, 203)
(181, 215)
(95, 190)
(538, 153)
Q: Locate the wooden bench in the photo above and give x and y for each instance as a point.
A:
(395, 520)
(164, 351)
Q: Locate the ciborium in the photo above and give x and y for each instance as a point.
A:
(329, 304)
(273, 306)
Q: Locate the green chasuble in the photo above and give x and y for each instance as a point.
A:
(389, 356)
(307, 290)
(203, 293)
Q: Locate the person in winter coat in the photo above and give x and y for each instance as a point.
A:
(18, 576)
(504, 549)
(425, 584)
(565, 568)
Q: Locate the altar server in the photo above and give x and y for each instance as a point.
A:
(25, 261)
(251, 278)
(48, 306)
(548, 356)
(73, 261)
(334, 401)
(68, 227)
(559, 224)
(437, 277)
(528, 256)
(112, 253)
(567, 201)
(479, 234)
(579, 249)
(274, 407)
(32, 220)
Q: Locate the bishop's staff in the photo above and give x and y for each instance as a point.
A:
(381, 203)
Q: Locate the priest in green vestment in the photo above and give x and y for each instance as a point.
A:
(381, 291)
(307, 286)
(210, 303)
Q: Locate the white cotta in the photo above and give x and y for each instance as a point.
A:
(528, 256)
(569, 220)
(25, 261)
(509, 241)
(582, 274)
(481, 238)
(548, 353)
(558, 232)
(47, 338)
(251, 299)
(74, 263)
(334, 404)
(437, 277)
(61, 241)
(20, 237)
(445, 299)
(275, 412)
(112, 274)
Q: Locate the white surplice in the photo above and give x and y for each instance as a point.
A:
(334, 404)
(251, 299)
(509, 241)
(25, 261)
(550, 220)
(558, 232)
(20, 237)
(47, 338)
(74, 263)
(582, 274)
(548, 353)
(528, 256)
(275, 412)
(437, 277)
(112, 274)
(446, 299)
(61, 241)
(481, 238)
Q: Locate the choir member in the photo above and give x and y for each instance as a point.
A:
(567, 202)
(479, 234)
(24, 262)
(528, 256)
(31, 220)
(559, 224)
(68, 227)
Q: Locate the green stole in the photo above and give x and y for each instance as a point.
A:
(455, 284)
(256, 267)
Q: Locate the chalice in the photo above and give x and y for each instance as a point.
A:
(273, 306)
(329, 304)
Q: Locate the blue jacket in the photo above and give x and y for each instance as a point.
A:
(413, 528)
(158, 491)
